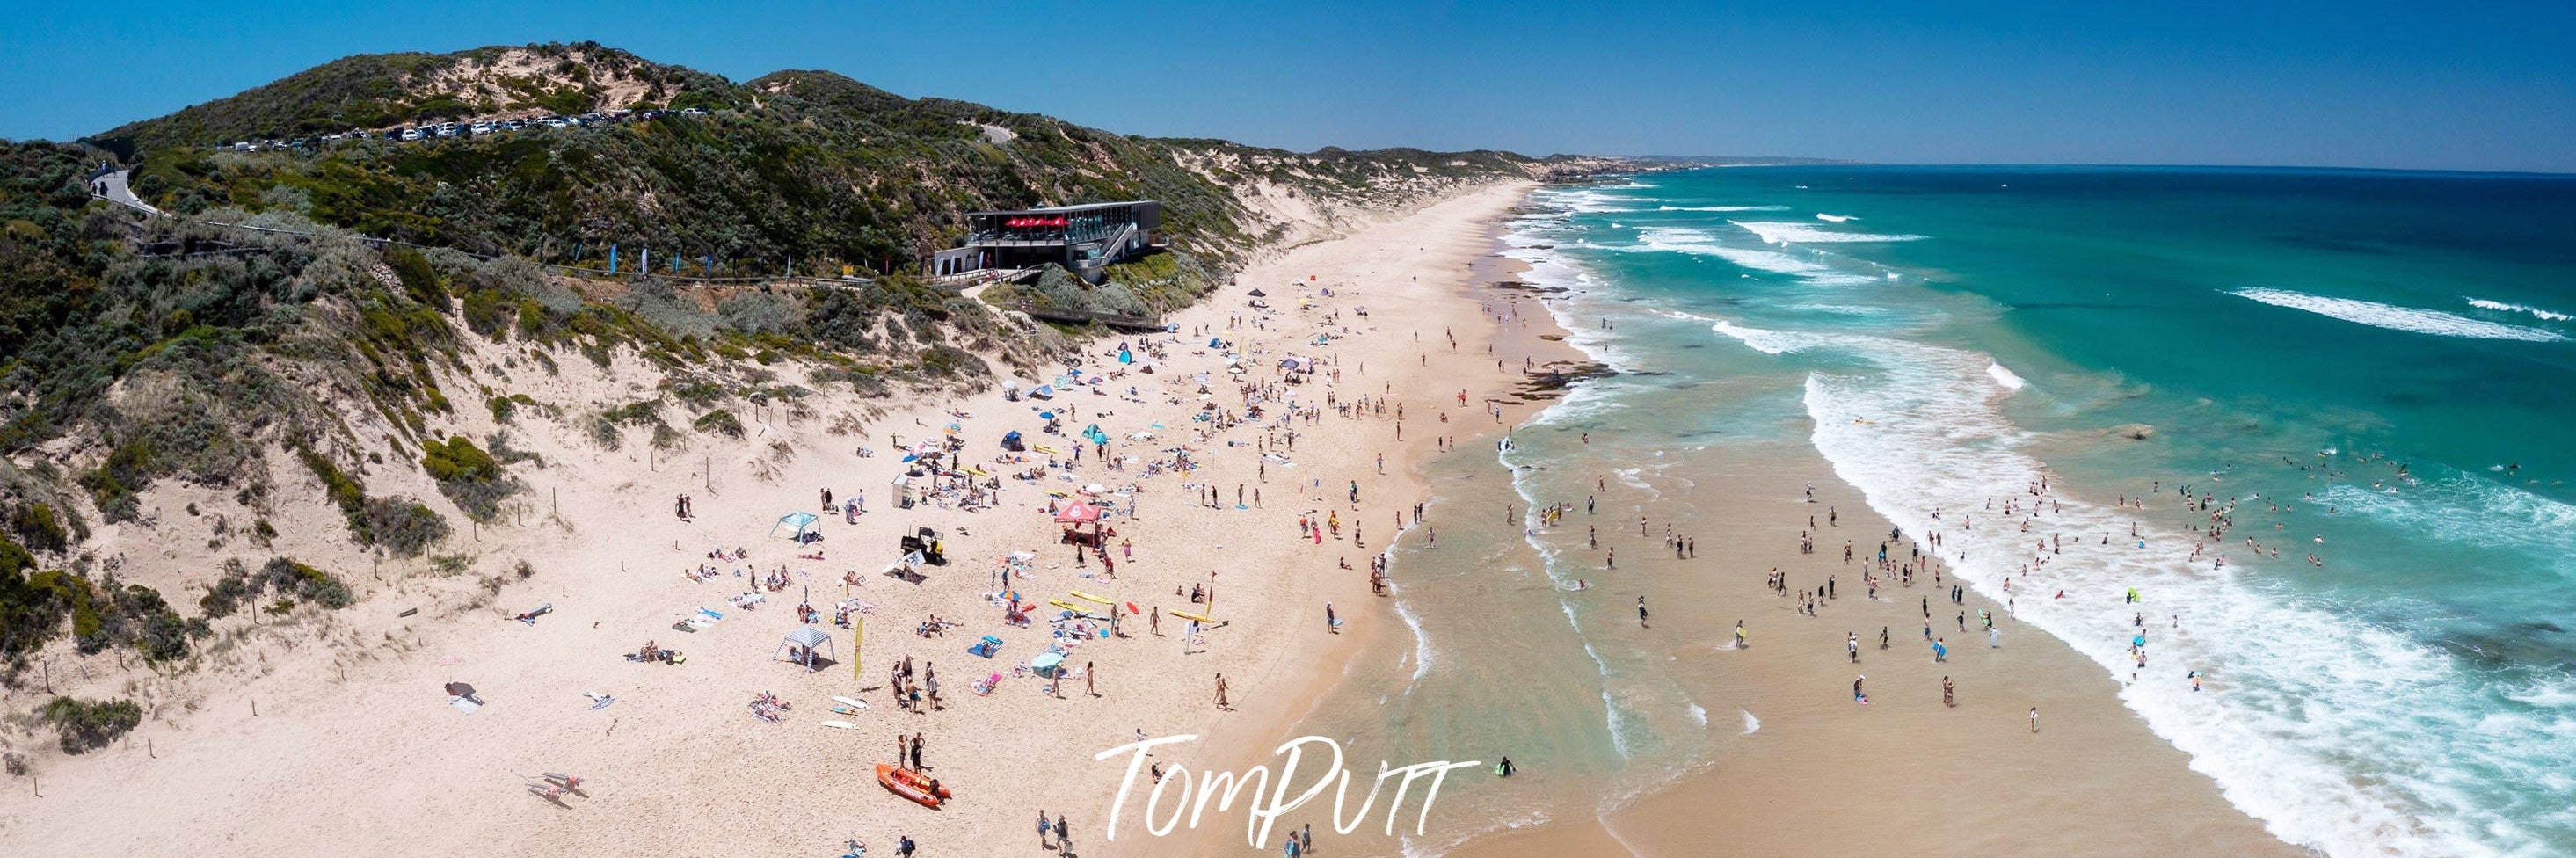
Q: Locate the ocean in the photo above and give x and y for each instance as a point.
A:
(2369, 372)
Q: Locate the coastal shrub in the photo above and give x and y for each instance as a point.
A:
(720, 422)
(402, 525)
(313, 585)
(38, 528)
(755, 312)
(230, 590)
(458, 460)
(418, 280)
(32, 605)
(655, 302)
(87, 725)
(345, 491)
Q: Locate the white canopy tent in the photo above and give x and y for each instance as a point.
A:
(803, 644)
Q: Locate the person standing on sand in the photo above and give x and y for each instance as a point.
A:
(2034, 719)
(1154, 621)
(1331, 623)
(1613, 560)
(1641, 613)
(1043, 829)
(1090, 680)
(1739, 634)
(1220, 694)
(1851, 642)
(1063, 835)
(1947, 692)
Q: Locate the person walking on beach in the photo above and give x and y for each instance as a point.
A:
(1063, 836)
(1851, 642)
(1641, 613)
(1090, 680)
(1043, 829)
(1221, 704)
(1739, 634)
(1947, 690)
(1331, 623)
(2034, 719)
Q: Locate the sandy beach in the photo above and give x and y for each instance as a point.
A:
(351, 721)
(353, 730)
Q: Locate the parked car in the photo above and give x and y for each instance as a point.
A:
(410, 134)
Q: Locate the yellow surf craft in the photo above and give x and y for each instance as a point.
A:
(1190, 616)
(1089, 598)
(1079, 609)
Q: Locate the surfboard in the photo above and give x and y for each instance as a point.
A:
(1090, 598)
(851, 701)
(1068, 606)
(845, 725)
(1190, 616)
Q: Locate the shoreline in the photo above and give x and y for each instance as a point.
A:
(1812, 750)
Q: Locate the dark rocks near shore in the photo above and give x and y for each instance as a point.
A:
(1557, 377)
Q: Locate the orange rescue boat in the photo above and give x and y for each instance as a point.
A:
(911, 785)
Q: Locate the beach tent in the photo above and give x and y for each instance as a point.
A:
(1258, 293)
(1093, 432)
(798, 523)
(1077, 512)
(808, 642)
(1044, 391)
(1011, 441)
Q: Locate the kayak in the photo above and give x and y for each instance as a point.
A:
(909, 784)
(1089, 598)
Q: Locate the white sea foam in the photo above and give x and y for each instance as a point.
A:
(1421, 643)
(2502, 307)
(1841, 309)
(2339, 734)
(2397, 318)
(1698, 715)
(1792, 232)
(1835, 217)
(1665, 239)
(2467, 511)
(1721, 208)
(2005, 377)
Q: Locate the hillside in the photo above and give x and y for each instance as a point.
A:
(318, 401)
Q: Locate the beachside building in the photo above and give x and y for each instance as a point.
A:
(1085, 239)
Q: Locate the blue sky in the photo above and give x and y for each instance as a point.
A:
(2443, 86)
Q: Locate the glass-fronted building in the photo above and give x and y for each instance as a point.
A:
(1084, 239)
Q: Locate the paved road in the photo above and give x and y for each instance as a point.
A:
(118, 193)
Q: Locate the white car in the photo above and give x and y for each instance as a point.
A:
(410, 134)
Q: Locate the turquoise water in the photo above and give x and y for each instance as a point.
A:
(1953, 335)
